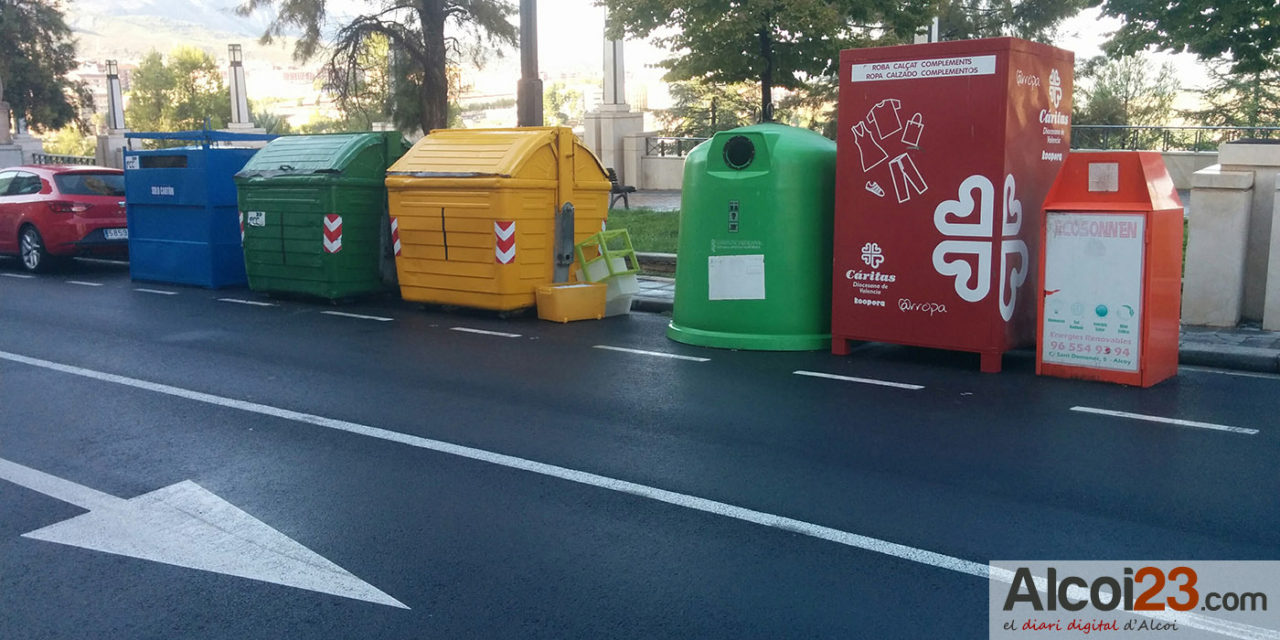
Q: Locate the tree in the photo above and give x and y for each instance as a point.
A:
(1126, 90)
(70, 141)
(186, 93)
(1247, 32)
(562, 105)
(1240, 100)
(775, 43)
(414, 29)
(271, 122)
(813, 107)
(1029, 19)
(1123, 91)
(700, 109)
(36, 53)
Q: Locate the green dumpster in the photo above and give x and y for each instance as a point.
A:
(314, 214)
(754, 267)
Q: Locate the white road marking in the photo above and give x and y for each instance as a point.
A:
(1175, 421)
(156, 291)
(254, 303)
(482, 332)
(657, 354)
(881, 383)
(85, 284)
(24, 276)
(1224, 372)
(791, 525)
(357, 316)
(187, 526)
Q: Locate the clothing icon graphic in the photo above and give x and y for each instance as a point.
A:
(870, 151)
(911, 133)
(875, 188)
(884, 117)
(906, 177)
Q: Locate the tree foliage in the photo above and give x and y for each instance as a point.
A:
(36, 53)
(1247, 32)
(70, 141)
(427, 36)
(1029, 19)
(782, 43)
(1129, 90)
(699, 109)
(183, 94)
(1240, 99)
(562, 105)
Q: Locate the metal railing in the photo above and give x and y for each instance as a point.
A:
(670, 147)
(53, 158)
(1155, 138)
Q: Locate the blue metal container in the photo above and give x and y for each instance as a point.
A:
(184, 225)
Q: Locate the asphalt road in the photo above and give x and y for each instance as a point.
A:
(534, 484)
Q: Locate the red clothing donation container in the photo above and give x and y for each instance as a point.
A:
(1111, 272)
(945, 153)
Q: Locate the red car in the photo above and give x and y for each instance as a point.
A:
(48, 211)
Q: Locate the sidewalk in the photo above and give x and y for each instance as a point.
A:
(1245, 348)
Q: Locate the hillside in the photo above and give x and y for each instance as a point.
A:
(127, 29)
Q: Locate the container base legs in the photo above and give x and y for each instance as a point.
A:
(991, 361)
(839, 346)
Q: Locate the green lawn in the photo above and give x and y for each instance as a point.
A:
(650, 231)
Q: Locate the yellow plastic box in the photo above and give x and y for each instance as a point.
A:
(571, 301)
(473, 211)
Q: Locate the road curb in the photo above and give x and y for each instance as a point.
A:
(652, 305)
(1230, 357)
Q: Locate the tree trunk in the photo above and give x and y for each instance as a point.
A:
(434, 90)
(766, 74)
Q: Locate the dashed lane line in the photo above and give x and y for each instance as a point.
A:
(500, 334)
(356, 316)
(253, 303)
(873, 381)
(656, 354)
(1161, 419)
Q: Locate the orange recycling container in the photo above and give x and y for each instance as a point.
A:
(1111, 270)
(473, 212)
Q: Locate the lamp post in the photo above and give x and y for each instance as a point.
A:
(529, 91)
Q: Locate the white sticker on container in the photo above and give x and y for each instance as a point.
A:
(131, 162)
(735, 277)
(1104, 177)
(256, 218)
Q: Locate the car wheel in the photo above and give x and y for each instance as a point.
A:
(32, 251)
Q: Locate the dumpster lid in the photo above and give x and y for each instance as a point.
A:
(463, 153)
(207, 137)
(311, 154)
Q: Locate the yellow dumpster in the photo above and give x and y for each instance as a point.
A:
(473, 212)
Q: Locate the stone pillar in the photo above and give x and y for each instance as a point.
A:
(110, 151)
(241, 119)
(1263, 161)
(239, 96)
(111, 145)
(613, 121)
(1213, 288)
(1271, 312)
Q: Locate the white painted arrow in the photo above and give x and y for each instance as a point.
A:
(187, 526)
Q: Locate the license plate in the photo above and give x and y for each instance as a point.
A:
(116, 234)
